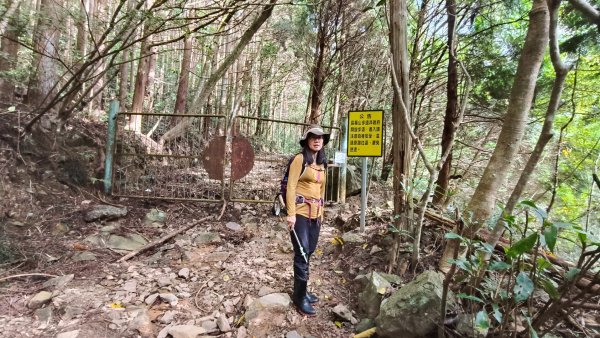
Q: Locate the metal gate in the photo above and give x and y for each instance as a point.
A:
(201, 164)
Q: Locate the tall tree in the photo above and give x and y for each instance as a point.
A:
(483, 201)
(9, 48)
(451, 115)
(402, 143)
(45, 46)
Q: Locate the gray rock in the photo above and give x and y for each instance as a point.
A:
(110, 227)
(265, 290)
(219, 256)
(40, 299)
(72, 312)
(164, 281)
(155, 218)
(233, 226)
(184, 273)
(344, 313)
(207, 238)
(59, 282)
(223, 323)
(169, 298)
(68, 334)
(271, 303)
(44, 315)
(130, 285)
(352, 237)
(364, 325)
(104, 212)
(130, 243)
(168, 317)
(185, 331)
(142, 323)
(84, 256)
(210, 326)
(151, 299)
(60, 229)
(413, 310)
(370, 299)
(293, 334)
(241, 332)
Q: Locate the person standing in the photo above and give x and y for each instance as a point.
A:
(304, 201)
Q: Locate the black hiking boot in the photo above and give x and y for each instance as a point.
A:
(300, 298)
(312, 298)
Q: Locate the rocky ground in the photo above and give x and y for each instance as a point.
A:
(61, 241)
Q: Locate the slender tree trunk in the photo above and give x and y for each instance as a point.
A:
(401, 139)
(483, 201)
(546, 134)
(12, 9)
(451, 107)
(139, 91)
(9, 49)
(184, 79)
(45, 43)
(151, 83)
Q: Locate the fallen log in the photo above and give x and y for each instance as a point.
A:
(161, 240)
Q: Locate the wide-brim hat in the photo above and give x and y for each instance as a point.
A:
(315, 130)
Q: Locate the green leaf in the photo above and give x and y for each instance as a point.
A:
(461, 263)
(522, 246)
(470, 297)
(498, 266)
(523, 287)
(542, 263)
(482, 322)
(540, 213)
(550, 235)
(562, 225)
(548, 286)
(496, 313)
(452, 235)
(572, 273)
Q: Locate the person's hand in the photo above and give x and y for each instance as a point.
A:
(291, 220)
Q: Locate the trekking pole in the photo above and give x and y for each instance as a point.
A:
(300, 246)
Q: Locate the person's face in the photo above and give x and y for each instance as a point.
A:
(315, 142)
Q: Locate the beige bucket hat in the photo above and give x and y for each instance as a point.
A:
(315, 130)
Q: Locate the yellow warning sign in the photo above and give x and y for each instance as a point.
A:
(365, 133)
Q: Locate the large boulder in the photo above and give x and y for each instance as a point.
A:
(369, 301)
(413, 310)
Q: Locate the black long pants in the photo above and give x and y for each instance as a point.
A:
(308, 235)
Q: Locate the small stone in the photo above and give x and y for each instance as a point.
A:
(184, 273)
(164, 281)
(223, 323)
(151, 299)
(130, 286)
(265, 290)
(168, 317)
(186, 331)
(233, 226)
(39, 300)
(83, 256)
(344, 313)
(293, 334)
(242, 332)
(209, 325)
(60, 229)
(58, 282)
(100, 212)
(44, 315)
(169, 298)
(69, 334)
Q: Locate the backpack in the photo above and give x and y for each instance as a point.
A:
(279, 202)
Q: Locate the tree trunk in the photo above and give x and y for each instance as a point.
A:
(318, 77)
(45, 40)
(401, 138)
(180, 128)
(184, 79)
(9, 49)
(139, 91)
(546, 134)
(483, 201)
(12, 9)
(451, 107)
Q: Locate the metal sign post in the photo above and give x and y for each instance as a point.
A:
(365, 139)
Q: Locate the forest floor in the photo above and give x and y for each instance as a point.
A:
(203, 277)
